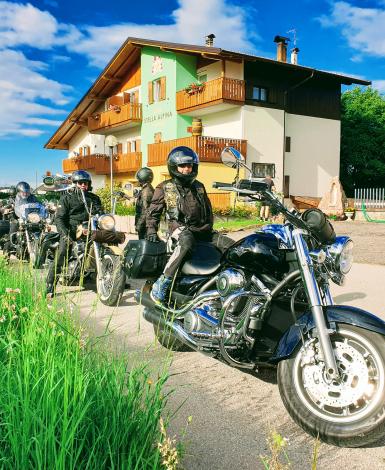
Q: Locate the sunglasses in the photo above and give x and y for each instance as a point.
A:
(84, 182)
(184, 165)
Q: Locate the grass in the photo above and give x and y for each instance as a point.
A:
(63, 403)
(237, 224)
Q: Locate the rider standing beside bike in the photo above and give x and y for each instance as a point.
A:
(188, 212)
(144, 176)
(71, 213)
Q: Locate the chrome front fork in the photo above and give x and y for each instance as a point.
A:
(96, 251)
(315, 301)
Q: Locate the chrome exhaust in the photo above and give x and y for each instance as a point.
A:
(157, 319)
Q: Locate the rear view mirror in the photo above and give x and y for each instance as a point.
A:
(232, 158)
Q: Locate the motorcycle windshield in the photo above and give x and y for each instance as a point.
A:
(35, 207)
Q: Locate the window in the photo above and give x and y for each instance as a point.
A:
(157, 90)
(158, 137)
(261, 170)
(259, 93)
(287, 144)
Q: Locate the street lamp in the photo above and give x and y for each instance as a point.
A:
(111, 142)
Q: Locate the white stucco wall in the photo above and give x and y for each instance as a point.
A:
(98, 181)
(214, 70)
(263, 129)
(234, 70)
(83, 138)
(128, 134)
(224, 124)
(314, 157)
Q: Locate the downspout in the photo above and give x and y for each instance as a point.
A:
(284, 119)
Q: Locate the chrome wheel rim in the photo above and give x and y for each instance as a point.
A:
(361, 386)
(107, 278)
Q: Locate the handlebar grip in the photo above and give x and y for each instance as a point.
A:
(218, 184)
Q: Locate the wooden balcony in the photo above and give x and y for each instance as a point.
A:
(100, 164)
(208, 148)
(221, 90)
(129, 114)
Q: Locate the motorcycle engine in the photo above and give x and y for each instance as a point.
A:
(202, 319)
(229, 281)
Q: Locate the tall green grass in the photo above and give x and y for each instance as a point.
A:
(64, 404)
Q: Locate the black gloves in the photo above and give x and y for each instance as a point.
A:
(152, 237)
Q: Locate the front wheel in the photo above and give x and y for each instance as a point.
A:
(346, 412)
(112, 279)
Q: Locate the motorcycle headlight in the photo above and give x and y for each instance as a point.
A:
(33, 218)
(340, 255)
(106, 222)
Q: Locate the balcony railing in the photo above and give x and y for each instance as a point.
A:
(208, 148)
(213, 92)
(100, 163)
(120, 115)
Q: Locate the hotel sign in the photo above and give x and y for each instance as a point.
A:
(157, 117)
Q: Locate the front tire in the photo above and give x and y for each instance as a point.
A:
(348, 413)
(112, 280)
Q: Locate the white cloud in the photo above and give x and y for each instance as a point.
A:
(22, 89)
(379, 85)
(363, 28)
(99, 44)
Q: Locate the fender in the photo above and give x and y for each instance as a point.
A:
(115, 250)
(335, 314)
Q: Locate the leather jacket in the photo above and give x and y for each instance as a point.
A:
(187, 206)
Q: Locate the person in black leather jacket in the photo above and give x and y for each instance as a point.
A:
(188, 212)
(145, 176)
(72, 212)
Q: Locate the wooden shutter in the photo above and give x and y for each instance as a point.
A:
(138, 145)
(126, 98)
(136, 96)
(150, 93)
(81, 151)
(119, 148)
(162, 88)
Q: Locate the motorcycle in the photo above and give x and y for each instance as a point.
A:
(6, 216)
(98, 249)
(266, 301)
(24, 242)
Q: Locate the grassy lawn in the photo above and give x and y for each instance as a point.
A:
(237, 224)
(64, 403)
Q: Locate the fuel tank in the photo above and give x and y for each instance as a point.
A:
(259, 253)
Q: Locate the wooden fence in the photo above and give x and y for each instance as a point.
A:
(219, 200)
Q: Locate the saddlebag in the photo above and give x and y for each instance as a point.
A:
(144, 259)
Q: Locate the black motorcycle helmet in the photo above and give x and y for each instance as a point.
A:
(24, 189)
(81, 175)
(179, 156)
(144, 175)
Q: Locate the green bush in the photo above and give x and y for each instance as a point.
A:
(122, 207)
(241, 212)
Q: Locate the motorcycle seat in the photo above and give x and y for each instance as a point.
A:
(205, 259)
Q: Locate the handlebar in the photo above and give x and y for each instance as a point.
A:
(218, 184)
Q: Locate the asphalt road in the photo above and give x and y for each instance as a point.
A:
(233, 411)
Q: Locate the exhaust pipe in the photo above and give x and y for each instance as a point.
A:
(157, 319)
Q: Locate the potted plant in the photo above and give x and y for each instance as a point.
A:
(349, 212)
(195, 87)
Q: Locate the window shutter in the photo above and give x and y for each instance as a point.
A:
(120, 148)
(87, 150)
(81, 151)
(150, 93)
(136, 96)
(126, 98)
(162, 88)
(138, 145)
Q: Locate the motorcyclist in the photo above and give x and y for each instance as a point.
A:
(145, 176)
(23, 196)
(72, 212)
(188, 211)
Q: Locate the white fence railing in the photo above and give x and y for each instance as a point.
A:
(374, 198)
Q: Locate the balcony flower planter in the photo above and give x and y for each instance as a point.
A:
(96, 117)
(194, 88)
(114, 107)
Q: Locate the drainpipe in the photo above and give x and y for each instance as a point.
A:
(284, 119)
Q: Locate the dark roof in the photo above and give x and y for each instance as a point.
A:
(128, 53)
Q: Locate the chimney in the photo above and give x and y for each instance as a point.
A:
(294, 56)
(210, 40)
(281, 48)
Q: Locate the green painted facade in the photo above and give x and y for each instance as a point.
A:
(179, 70)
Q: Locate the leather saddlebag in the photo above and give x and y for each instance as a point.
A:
(144, 259)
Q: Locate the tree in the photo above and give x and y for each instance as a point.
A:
(362, 139)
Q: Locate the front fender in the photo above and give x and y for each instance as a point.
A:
(334, 314)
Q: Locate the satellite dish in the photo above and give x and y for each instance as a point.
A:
(111, 141)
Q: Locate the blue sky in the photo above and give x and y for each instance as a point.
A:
(52, 50)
